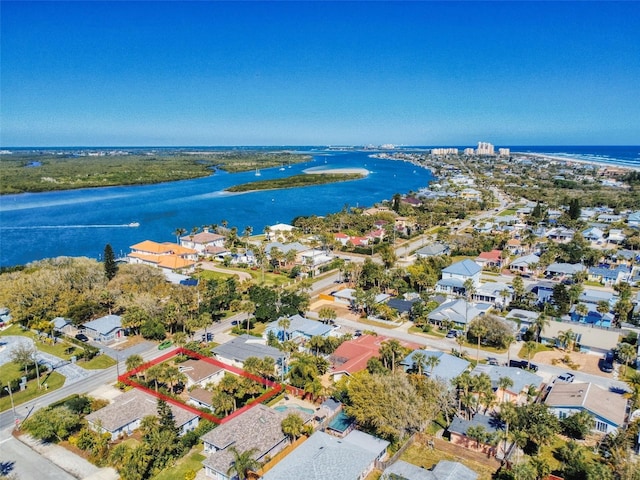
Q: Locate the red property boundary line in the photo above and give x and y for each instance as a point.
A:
(275, 388)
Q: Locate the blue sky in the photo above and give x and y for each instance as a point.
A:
(288, 73)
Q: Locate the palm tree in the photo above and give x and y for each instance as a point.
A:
(603, 307)
(529, 348)
(566, 339)
(634, 382)
(134, 361)
(327, 314)
(178, 232)
(540, 323)
(419, 361)
(432, 362)
(292, 426)
(627, 353)
(284, 323)
(243, 462)
(222, 403)
(503, 384)
(582, 310)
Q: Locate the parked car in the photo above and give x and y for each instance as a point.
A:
(82, 337)
(492, 361)
(452, 334)
(523, 364)
(358, 333)
(606, 363)
(165, 344)
(566, 377)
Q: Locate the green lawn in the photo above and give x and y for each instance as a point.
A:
(98, 363)
(191, 461)
(53, 381)
(61, 349)
(507, 212)
(539, 348)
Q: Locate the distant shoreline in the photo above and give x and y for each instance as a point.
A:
(570, 160)
(347, 171)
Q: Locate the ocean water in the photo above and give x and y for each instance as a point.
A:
(628, 155)
(81, 222)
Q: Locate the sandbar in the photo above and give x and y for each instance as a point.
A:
(320, 170)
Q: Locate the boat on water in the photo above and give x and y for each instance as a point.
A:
(282, 168)
(134, 224)
(258, 173)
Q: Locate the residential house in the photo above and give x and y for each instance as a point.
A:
(564, 270)
(594, 297)
(124, 414)
(105, 329)
(497, 293)
(454, 276)
(521, 380)
(589, 338)
(346, 297)
(543, 291)
(460, 428)
(433, 250)
(312, 260)
(201, 398)
(448, 366)
(240, 348)
(167, 256)
(616, 236)
(201, 373)
(514, 246)
(608, 276)
(525, 264)
(324, 457)
(279, 231)
(523, 318)
(633, 219)
(610, 218)
(592, 317)
(593, 234)
(401, 306)
(352, 355)
(608, 409)
(62, 325)
(459, 311)
(201, 241)
(470, 194)
(490, 259)
(300, 329)
(560, 235)
(444, 470)
(258, 428)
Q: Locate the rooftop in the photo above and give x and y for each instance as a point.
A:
(607, 405)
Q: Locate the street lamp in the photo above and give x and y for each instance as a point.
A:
(13, 407)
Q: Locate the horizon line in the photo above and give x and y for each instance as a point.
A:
(379, 146)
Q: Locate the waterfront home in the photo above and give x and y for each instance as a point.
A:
(258, 428)
(524, 265)
(460, 428)
(201, 373)
(167, 256)
(236, 351)
(123, 416)
(279, 231)
(588, 338)
(323, 457)
(607, 408)
(521, 382)
(446, 368)
(202, 240)
(444, 470)
(105, 329)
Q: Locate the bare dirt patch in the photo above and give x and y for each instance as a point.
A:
(584, 362)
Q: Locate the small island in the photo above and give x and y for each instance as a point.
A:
(309, 178)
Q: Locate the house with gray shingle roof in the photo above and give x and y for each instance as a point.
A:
(521, 381)
(201, 373)
(448, 367)
(124, 415)
(105, 329)
(444, 470)
(240, 348)
(300, 328)
(324, 457)
(258, 428)
(460, 312)
(460, 427)
(432, 250)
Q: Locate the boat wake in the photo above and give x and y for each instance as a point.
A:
(41, 227)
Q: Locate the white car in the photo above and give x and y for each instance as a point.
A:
(566, 377)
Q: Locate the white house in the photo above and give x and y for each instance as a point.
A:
(454, 276)
(202, 240)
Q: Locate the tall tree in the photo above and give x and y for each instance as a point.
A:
(243, 462)
(110, 265)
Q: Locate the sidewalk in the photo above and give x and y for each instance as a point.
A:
(68, 461)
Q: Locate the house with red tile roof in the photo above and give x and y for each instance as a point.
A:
(490, 259)
(166, 256)
(352, 356)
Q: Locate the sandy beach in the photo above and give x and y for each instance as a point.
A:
(569, 161)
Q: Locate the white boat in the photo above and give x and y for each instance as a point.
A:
(134, 224)
(258, 173)
(282, 168)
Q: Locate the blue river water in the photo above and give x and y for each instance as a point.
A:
(81, 222)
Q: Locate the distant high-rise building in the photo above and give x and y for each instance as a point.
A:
(469, 151)
(485, 148)
(444, 151)
(504, 152)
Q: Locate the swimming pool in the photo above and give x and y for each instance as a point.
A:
(284, 408)
(341, 423)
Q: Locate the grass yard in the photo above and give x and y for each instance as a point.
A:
(539, 348)
(61, 349)
(190, 462)
(421, 455)
(507, 212)
(98, 363)
(53, 381)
